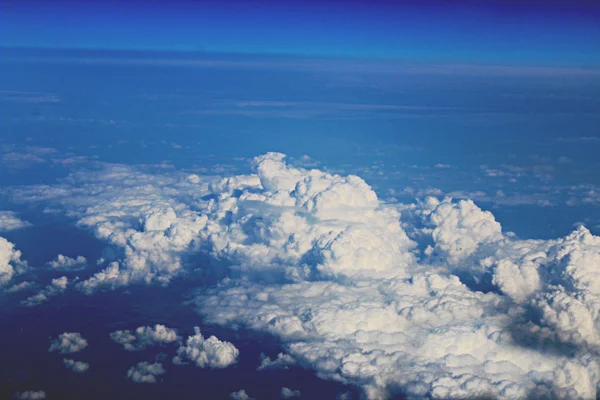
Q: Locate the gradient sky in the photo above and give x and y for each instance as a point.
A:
(510, 32)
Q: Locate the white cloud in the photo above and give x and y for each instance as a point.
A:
(19, 287)
(10, 261)
(56, 287)
(64, 262)
(68, 342)
(316, 260)
(30, 395)
(9, 221)
(144, 372)
(287, 393)
(144, 336)
(283, 361)
(211, 352)
(240, 395)
(76, 366)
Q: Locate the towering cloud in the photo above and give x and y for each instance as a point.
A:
(10, 261)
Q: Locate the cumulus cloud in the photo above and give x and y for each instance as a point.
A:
(240, 395)
(206, 353)
(30, 395)
(9, 221)
(68, 342)
(283, 361)
(64, 262)
(10, 261)
(76, 366)
(56, 287)
(144, 372)
(427, 300)
(144, 336)
(287, 393)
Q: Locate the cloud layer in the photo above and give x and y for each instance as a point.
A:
(429, 300)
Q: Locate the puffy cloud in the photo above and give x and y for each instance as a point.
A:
(144, 372)
(240, 395)
(144, 336)
(287, 393)
(211, 352)
(76, 366)
(9, 221)
(430, 300)
(68, 342)
(458, 229)
(64, 262)
(30, 395)
(283, 361)
(10, 261)
(56, 287)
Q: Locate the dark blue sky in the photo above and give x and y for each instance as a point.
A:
(507, 32)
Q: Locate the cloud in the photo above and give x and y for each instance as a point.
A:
(68, 342)
(206, 353)
(144, 336)
(240, 395)
(10, 261)
(30, 395)
(64, 262)
(144, 372)
(424, 300)
(287, 393)
(76, 366)
(9, 221)
(283, 361)
(19, 287)
(56, 287)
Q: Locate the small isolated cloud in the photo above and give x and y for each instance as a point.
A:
(68, 342)
(283, 361)
(145, 372)
(20, 286)
(76, 366)
(30, 395)
(56, 287)
(443, 166)
(9, 222)
(64, 262)
(144, 336)
(287, 393)
(240, 395)
(211, 352)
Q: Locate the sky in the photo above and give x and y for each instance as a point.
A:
(311, 200)
(467, 31)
